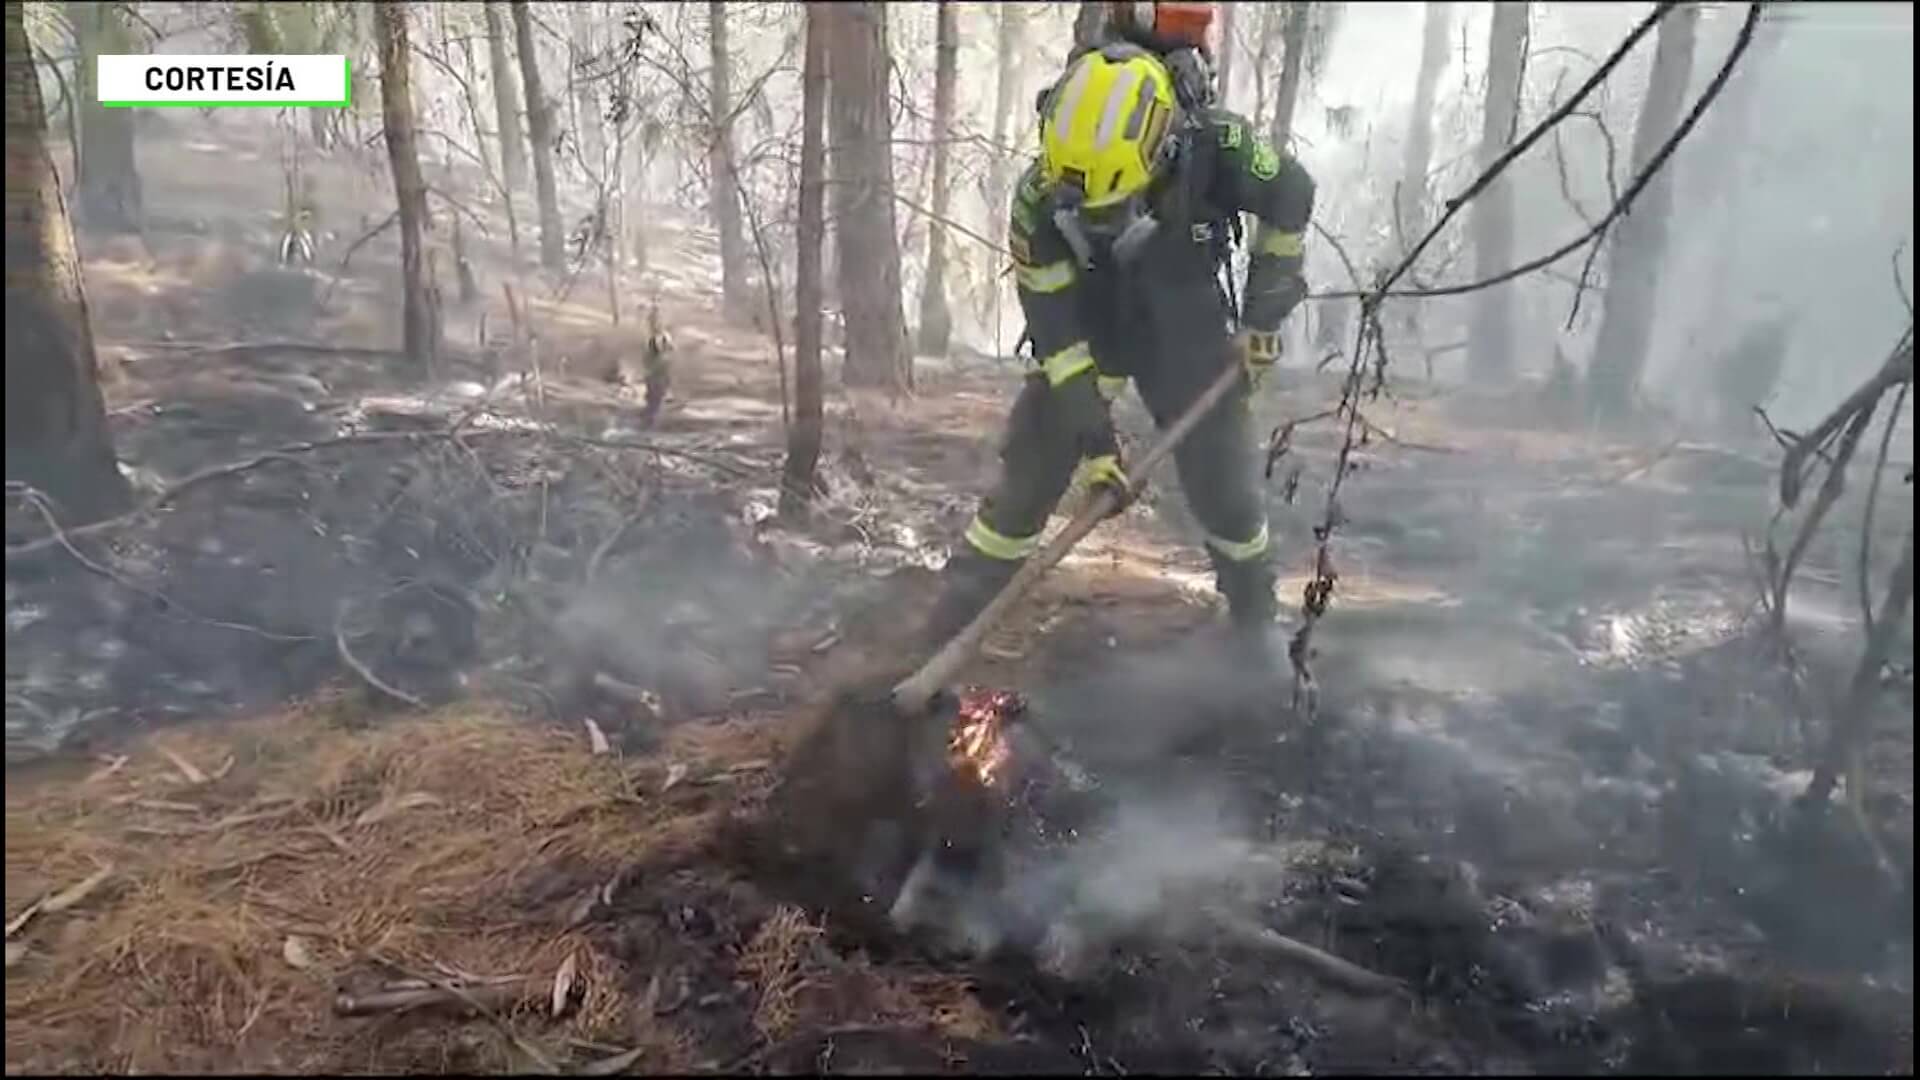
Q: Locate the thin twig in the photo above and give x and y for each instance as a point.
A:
(1620, 207)
(291, 451)
(1371, 340)
(361, 669)
(64, 539)
(1873, 499)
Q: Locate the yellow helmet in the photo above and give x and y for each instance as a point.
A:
(1105, 126)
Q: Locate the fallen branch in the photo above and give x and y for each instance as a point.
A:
(1342, 973)
(241, 348)
(64, 539)
(483, 1000)
(421, 994)
(362, 670)
(291, 451)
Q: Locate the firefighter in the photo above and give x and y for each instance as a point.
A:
(1116, 233)
(655, 367)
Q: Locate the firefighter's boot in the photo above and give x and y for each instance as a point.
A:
(1247, 585)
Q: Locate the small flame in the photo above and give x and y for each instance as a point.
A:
(978, 745)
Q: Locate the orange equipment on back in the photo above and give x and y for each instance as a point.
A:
(1185, 23)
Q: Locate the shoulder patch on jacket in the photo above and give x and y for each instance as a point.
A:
(1232, 134)
(1266, 161)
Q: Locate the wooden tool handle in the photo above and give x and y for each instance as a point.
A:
(916, 691)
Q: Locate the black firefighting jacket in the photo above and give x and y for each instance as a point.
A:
(1166, 302)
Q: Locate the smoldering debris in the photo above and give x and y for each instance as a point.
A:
(452, 546)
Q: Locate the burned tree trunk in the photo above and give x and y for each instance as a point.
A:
(1293, 38)
(1640, 239)
(421, 319)
(553, 237)
(723, 188)
(862, 164)
(803, 438)
(936, 321)
(57, 440)
(1410, 202)
(1088, 22)
(108, 185)
(1491, 356)
(506, 104)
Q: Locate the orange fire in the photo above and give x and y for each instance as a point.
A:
(978, 745)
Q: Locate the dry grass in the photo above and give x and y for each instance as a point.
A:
(411, 844)
(777, 959)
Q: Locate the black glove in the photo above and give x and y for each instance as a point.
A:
(1085, 411)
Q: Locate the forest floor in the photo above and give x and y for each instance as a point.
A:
(1545, 789)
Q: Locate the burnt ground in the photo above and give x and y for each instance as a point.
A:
(1545, 790)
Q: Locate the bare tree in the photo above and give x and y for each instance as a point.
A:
(1011, 20)
(108, 186)
(723, 186)
(421, 315)
(803, 437)
(506, 104)
(582, 47)
(863, 213)
(1410, 204)
(1088, 22)
(1293, 38)
(57, 439)
(1640, 239)
(1491, 355)
(1710, 180)
(936, 321)
(553, 236)
(1224, 55)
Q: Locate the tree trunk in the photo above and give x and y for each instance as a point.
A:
(1711, 187)
(57, 439)
(723, 188)
(862, 164)
(108, 187)
(1640, 238)
(506, 104)
(421, 319)
(803, 437)
(936, 321)
(1490, 358)
(553, 236)
(1271, 19)
(1011, 23)
(1088, 22)
(1224, 55)
(1293, 38)
(592, 128)
(1410, 206)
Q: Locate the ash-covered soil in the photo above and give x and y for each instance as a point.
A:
(1545, 795)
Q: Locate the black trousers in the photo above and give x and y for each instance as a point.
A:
(1218, 471)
